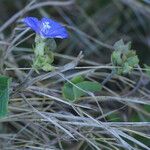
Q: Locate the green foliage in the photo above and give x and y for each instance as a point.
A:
(39, 46)
(87, 86)
(120, 46)
(50, 45)
(67, 91)
(44, 62)
(4, 95)
(43, 55)
(77, 79)
(80, 88)
(123, 58)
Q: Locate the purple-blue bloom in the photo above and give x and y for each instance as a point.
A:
(46, 27)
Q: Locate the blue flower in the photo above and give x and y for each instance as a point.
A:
(46, 27)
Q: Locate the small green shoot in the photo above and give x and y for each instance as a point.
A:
(123, 58)
(43, 53)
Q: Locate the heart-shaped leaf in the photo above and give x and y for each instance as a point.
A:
(85, 87)
(79, 88)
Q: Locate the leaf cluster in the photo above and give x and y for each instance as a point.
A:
(123, 58)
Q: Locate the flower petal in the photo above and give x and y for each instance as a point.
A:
(33, 23)
(52, 29)
(59, 33)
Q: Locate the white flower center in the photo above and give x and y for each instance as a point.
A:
(45, 27)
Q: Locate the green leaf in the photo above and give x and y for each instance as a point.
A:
(39, 49)
(72, 93)
(50, 45)
(116, 58)
(86, 86)
(120, 46)
(126, 68)
(47, 67)
(132, 61)
(123, 58)
(67, 91)
(44, 62)
(128, 45)
(39, 45)
(4, 95)
(77, 79)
